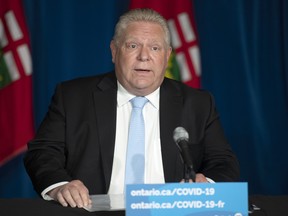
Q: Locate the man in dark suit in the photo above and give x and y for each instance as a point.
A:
(80, 147)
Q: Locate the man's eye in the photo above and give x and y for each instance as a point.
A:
(155, 48)
(132, 46)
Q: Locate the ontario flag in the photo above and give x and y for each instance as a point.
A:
(16, 121)
(184, 63)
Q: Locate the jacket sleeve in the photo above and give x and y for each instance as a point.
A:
(219, 162)
(46, 157)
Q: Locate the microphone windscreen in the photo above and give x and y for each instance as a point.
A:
(180, 134)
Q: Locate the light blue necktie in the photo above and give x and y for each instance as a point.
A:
(135, 156)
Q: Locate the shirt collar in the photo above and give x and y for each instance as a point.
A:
(123, 96)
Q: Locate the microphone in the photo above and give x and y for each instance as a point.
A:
(181, 138)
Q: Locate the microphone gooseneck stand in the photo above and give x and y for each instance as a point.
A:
(189, 173)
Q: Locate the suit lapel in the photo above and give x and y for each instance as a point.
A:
(105, 102)
(170, 118)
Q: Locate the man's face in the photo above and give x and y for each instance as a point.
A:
(141, 58)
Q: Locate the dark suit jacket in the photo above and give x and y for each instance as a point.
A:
(76, 139)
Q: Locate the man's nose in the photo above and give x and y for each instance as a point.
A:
(144, 54)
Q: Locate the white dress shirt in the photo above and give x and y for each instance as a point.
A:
(153, 159)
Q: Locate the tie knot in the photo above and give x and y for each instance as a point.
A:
(139, 102)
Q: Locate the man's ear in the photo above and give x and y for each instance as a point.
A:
(169, 51)
(113, 50)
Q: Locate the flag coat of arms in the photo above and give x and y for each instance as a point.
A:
(16, 119)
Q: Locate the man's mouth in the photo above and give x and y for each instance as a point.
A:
(142, 70)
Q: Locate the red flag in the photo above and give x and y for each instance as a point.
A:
(184, 38)
(16, 121)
